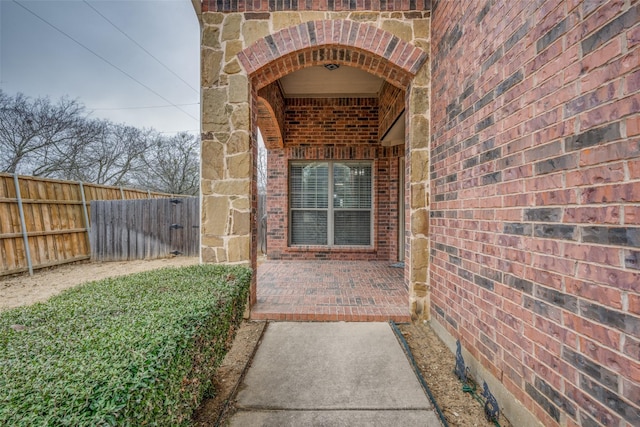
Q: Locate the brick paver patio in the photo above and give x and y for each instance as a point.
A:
(354, 291)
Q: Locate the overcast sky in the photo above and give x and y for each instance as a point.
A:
(38, 60)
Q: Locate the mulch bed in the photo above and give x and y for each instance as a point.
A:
(437, 365)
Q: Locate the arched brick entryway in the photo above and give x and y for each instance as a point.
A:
(247, 102)
(351, 43)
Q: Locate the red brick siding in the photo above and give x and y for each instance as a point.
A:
(344, 42)
(392, 101)
(334, 129)
(337, 5)
(535, 192)
(331, 121)
(271, 116)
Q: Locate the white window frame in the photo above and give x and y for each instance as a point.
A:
(331, 209)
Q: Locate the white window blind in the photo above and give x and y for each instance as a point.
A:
(308, 188)
(341, 217)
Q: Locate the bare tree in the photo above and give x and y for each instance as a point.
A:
(36, 132)
(59, 140)
(172, 165)
(60, 160)
(112, 157)
(262, 165)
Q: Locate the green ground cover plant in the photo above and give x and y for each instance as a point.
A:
(132, 351)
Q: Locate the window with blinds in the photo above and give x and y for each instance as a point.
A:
(331, 203)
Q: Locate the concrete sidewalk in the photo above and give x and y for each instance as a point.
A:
(331, 374)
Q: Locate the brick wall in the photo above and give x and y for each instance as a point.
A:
(392, 101)
(334, 129)
(535, 191)
(330, 121)
(342, 38)
(271, 115)
(264, 6)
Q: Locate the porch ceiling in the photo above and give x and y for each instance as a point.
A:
(319, 82)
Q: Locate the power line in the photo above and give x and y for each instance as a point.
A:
(178, 131)
(143, 108)
(103, 59)
(140, 46)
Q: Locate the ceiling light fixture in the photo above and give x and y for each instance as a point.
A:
(331, 67)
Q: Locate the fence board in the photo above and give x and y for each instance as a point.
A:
(140, 236)
(54, 220)
(154, 249)
(141, 229)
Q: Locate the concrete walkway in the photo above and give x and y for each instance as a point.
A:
(332, 374)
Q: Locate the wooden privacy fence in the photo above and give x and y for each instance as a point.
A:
(262, 223)
(137, 229)
(45, 222)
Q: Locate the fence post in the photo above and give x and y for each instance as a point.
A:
(23, 224)
(148, 194)
(121, 193)
(86, 215)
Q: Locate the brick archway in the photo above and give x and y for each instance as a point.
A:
(345, 42)
(358, 45)
(243, 56)
(268, 123)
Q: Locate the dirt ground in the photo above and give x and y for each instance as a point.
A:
(437, 364)
(25, 290)
(217, 407)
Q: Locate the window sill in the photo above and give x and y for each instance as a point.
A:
(341, 249)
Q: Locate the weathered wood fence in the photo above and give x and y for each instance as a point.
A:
(45, 222)
(262, 223)
(137, 229)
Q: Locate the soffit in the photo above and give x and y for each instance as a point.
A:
(319, 82)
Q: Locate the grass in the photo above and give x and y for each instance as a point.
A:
(133, 350)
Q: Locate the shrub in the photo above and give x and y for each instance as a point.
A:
(134, 350)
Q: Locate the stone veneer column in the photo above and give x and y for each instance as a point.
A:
(418, 176)
(226, 165)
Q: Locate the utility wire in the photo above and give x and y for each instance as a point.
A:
(103, 59)
(143, 108)
(140, 46)
(180, 131)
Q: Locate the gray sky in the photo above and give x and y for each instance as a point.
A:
(38, 60)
